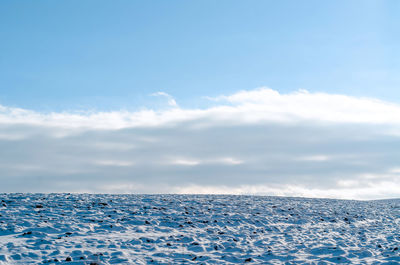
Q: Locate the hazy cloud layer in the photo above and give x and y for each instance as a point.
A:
(251, 142)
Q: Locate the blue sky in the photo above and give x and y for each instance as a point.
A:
(291, 98)
(107, 55)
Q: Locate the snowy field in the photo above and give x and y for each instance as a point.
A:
(191, 229)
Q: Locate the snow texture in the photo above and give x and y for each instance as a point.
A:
(196, 229)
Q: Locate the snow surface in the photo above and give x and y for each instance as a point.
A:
(196, 229)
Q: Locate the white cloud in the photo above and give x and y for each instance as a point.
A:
(251, 142)
(395, 170)
(171, 100)
(344, 190)
(210, 161)
(254, 106)
(315, 158)
(303, 105)
(185, 162)
(228, 161)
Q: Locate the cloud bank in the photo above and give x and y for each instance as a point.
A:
(251, 142)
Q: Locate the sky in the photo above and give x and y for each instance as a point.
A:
(291, 98)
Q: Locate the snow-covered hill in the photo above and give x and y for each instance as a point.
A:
(190, 229)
